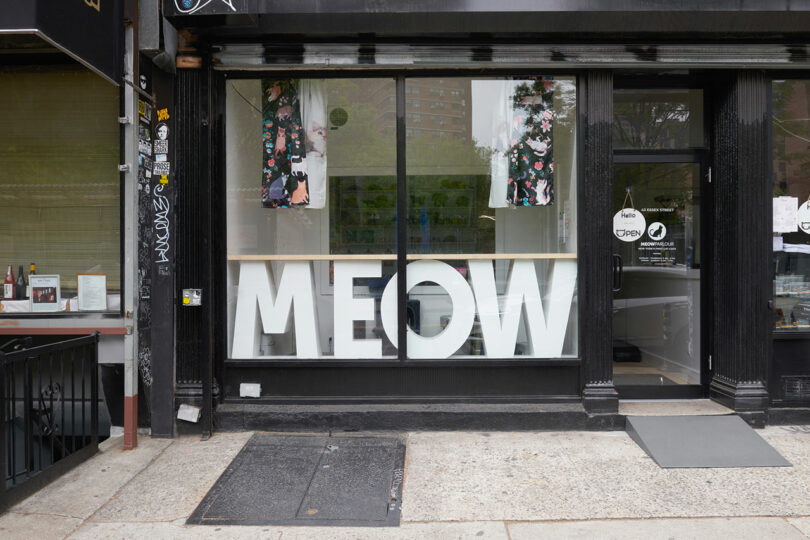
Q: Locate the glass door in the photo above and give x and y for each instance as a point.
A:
(657, 248)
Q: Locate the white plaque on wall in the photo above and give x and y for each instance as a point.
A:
(785, 210)
(92, 292)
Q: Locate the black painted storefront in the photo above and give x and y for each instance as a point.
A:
(729, 52)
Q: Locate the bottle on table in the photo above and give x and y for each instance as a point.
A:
(9, 285)
(19, 286)
(31, 271)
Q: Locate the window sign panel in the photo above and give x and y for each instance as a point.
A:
(791, 192)
(312, 218)
(491, 198)
(310, 168)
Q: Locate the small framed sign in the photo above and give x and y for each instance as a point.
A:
(92, 292)
(45, 292)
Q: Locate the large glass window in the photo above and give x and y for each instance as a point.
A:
(311, 195)
(657, 119)
(491, 195)
(59, 183)
(791, 191)
(312, 217)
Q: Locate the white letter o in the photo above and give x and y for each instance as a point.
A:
(448, 341)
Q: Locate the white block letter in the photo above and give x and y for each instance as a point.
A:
(448, 341)
(546, 335)
(257, 296)
(349, 309)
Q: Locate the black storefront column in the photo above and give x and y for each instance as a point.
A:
(192, 227)
(164, 243)
(742, 245)
(199, 216)
(595, 240)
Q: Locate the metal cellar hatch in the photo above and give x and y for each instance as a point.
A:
(309, 480)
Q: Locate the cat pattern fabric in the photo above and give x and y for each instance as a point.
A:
(313, 96)
(530, 157)
(285, 181)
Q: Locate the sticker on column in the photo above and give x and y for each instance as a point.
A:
(803, 216)
(629, 224)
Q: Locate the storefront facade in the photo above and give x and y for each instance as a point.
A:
(409, 206)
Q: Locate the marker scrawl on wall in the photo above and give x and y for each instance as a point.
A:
(188, 7)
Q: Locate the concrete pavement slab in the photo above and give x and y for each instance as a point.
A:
(663, 529)
(177, 530)
(588, 475)
(83, 490)
(803, 524)
(14, 526)
(407, 531)
(175, 483)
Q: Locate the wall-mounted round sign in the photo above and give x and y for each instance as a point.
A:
(803, 217)
(338, 116)
(657, 230)
(629, 225)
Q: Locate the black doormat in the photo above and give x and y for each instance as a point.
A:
(702, 441)
(309, 480)
(625, 352)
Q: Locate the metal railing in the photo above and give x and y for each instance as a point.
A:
(49, 411)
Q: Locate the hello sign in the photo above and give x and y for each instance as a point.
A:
(261, 307)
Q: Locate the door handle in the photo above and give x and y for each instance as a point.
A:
(618, 271)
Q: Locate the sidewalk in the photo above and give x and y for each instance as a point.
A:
(500, 485)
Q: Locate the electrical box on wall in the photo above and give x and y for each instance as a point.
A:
(192, 297)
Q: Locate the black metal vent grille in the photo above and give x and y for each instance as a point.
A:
(797, 388)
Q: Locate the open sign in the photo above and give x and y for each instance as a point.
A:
(629, 225)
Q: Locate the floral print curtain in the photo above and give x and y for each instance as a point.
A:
(531, 164)
(522, 165)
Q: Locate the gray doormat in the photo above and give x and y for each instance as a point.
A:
(309, 480)
(702, 441)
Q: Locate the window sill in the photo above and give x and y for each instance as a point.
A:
(71, 323)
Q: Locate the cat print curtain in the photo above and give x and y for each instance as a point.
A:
(522, 165)
(294, 138)
(313, 112)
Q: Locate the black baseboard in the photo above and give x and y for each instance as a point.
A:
(412, 417)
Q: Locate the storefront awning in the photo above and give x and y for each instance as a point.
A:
(89, 31)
